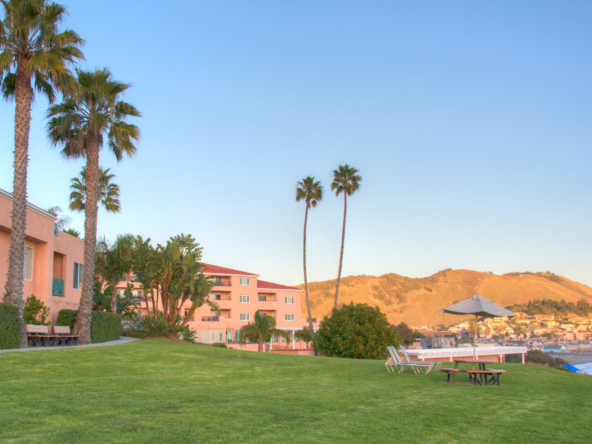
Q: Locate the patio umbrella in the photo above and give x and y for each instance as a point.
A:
(479, 306)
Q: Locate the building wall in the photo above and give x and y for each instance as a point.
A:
(39, 235)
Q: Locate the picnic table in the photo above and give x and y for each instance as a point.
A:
(482, 376)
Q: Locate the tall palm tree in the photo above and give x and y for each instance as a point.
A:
(261, 330)
(81, 125)
(346, 180)
(312, 193)
(108, 194)
(31, 48)
(114, 263)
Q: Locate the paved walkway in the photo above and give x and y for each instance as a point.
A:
(121, 340)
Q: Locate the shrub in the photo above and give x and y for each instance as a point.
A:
(10, 326)
(355, 331)
(538, 357)
(35, 312)
(156, 326)
(219, 345)
(103, 326)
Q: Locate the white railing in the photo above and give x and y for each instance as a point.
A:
(451, 353)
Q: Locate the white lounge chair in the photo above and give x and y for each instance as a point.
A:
(419, 365)
(395, 361)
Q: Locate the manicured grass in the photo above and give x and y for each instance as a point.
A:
(162, 392)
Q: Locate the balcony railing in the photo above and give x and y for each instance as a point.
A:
(222, 283)
(228, 298)
(210, 318)
(57, 287)
(264, 299)
(313, 320)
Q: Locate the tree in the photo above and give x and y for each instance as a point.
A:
(261, 330)
(355, 331)
(108, 192)
(304, 335)
(346, 180)
(31, 48)
(145, 268)
(81, 124)
(114, 263)
(405, 333)
(310, 192)
(72, 232)
(63, 221)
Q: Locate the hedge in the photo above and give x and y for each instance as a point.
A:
(104, 326)
(10, 326)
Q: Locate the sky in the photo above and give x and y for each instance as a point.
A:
(470, 123)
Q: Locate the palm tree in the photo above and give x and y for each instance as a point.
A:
(72, 232)
(31, 48)
(63, 221)
(108, 194)
(261, 331)
(312, 193)
(114, 263)
(346, 180)
(81, 125)
(304, 335)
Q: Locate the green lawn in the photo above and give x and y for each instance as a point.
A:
(163, 392)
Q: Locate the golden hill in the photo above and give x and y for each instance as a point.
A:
(417, 301)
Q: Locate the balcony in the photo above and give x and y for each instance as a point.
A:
(210, 318)
(261, 298)
(57, 287)
(221, 283)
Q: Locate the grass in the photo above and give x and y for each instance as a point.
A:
(163, 392)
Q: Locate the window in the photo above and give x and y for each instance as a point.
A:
(244, 299)
(78, 274)
(216, 297)
(289, 316)
(217, 280)
(290, 300)
(262, 298)
(139, 294)
(245, 316)
(139, 313)
(245, 281)
(28, 268)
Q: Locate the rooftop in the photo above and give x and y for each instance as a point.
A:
(271, 286)
(215, 269)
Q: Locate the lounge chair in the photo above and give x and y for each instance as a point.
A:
(420, 365)
(395, 361)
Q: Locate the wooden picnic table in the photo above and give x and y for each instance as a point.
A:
(475, 376)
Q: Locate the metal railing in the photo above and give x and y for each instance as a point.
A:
(222, 283)
(264, 299)
(210, 318)
(57, 287)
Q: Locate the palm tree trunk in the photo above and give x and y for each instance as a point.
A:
(16, 253)
(341, 255)
(82, 327)
(305, 277)
(114, 297)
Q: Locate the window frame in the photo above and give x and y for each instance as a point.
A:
(286, 300)
(77, 275)
(248, 280)
(240, 299)
(248, 317)
(26, 262)
(286, 317)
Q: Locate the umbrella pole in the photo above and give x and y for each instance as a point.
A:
(475, 338)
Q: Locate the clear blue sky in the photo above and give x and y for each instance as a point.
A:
(470, 123)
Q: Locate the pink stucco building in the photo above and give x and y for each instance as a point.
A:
(53, 259)
(239, 294)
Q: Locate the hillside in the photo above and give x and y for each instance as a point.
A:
(417, 301)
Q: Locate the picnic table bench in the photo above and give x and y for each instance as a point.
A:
(39, 335)
(64, 336)
(481, 376)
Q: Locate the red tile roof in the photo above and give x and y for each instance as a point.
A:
(215, 269)
(271, 286)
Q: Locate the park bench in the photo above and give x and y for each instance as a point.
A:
(39, 335)
(63, 336)
(485, 377)
(450, 373)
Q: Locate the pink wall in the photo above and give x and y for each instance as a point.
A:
(40, 237)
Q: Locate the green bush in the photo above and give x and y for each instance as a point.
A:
(156, 326)
(355, 331)
(219, 345)
(104, 326)
(10, 326)
(538, 357)
(35, 312)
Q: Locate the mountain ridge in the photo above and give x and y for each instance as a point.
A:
(417, 301)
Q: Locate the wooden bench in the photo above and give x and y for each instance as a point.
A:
(451, 372)
(39, 335)
(485, 377)
(63, 336)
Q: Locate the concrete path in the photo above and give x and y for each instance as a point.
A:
(121, 340)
